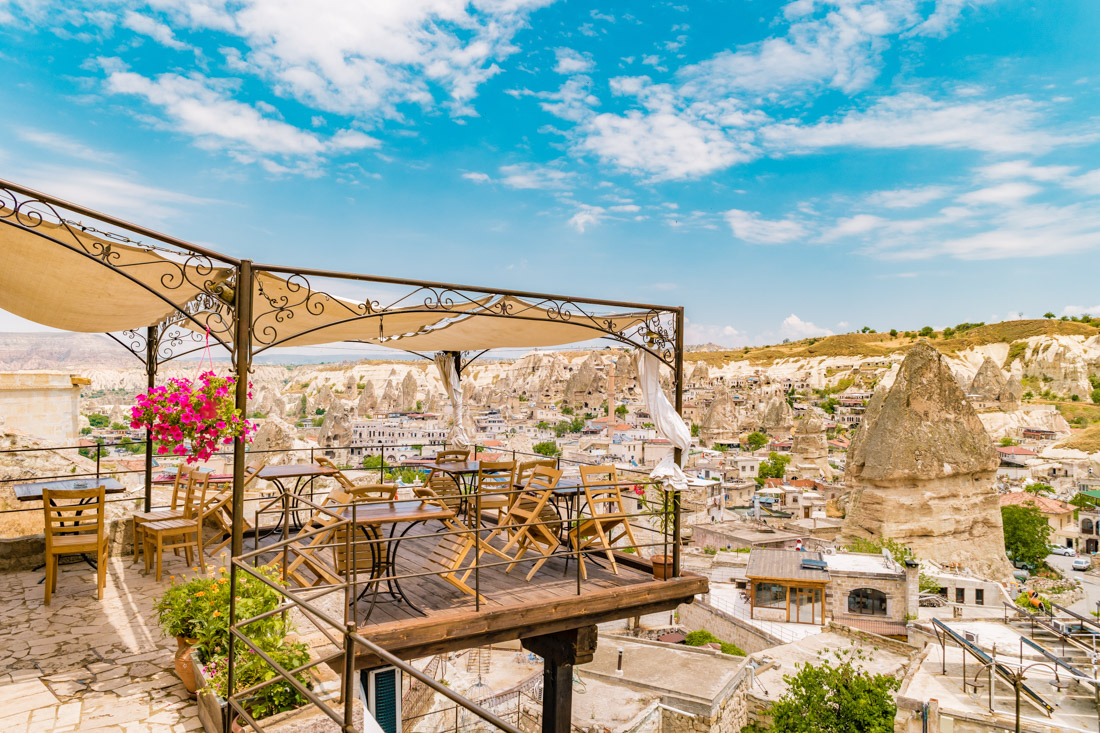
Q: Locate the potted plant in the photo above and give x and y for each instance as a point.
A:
(179, 611)
(663, 519)
(250, 669)
(192, 418)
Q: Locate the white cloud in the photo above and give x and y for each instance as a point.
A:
(909, 120)
(1002, 194)
(1024, 169)
(368, 58)
(156, 30)
(940, 22)
(854, 226)
(477, 177)
(795, 328)
(571, 62)
(907, 198)
(751, 227)
(1076, 310)
(702, 333)
(534, 176)
(196, 106)
(587, 216)
(57, 143)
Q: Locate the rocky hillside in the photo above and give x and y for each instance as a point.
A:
(20, 351)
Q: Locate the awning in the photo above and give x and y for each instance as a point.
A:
(91, 285)
(513, 323)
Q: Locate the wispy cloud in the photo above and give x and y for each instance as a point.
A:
(57, 143)
(526, 176)
(749, 226)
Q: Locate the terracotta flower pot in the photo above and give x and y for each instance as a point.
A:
(185, 670)
(237, 727)
(662, 566)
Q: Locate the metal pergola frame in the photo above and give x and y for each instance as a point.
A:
(225, 310)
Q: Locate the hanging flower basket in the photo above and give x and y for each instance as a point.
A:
(192, 418)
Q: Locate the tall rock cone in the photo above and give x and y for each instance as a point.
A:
(921, 467)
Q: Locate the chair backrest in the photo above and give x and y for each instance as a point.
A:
(444, 487)
(183, 475)
(76, 518)
(453, 454)
(339, 475)
(252, 472)
(526, 468)
(536, 492)
(373, 492)
(601, 489)
(496, 477)
(197, 495)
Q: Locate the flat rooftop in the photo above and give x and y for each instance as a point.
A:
(859, 562)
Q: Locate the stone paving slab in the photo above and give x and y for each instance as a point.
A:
(87, 665)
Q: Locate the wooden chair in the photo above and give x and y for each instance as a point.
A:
(453, 549)
(175, 511)
(324, 554)
(607, 521)
(452, 455)
(495, 482)
(527, 524)
(525, 469)
(445, 488)
(186, 531)
(219, 509)
(75, 529)
(373, 492)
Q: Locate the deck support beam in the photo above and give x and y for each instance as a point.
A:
(559, 652)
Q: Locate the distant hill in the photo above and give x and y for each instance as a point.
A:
(881, 344)
(60, 350)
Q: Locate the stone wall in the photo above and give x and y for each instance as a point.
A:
(43, 404)
(896, 590)
(699, 615)
(24, 553)
(729, 716)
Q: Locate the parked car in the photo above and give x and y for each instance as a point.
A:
(1081, 563)
(1064, 551)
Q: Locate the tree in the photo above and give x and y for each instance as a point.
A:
(926, 331)
(836, 696)
(1082, 500)
(1048, 314)
(547, 448)
(829, 405)
(893, 333)
(542, 425)
(1039, 489)
(695, 430)
(1027, 533)
(1007, 442)
(604, 408)
(98, 420)
(756, 441)
(85, 431)
(419, 406)
(566, 410)
(1095, 396)
(620, 411)
(774, 467)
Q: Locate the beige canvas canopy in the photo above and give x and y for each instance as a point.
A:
(68, 286)
(510, 322)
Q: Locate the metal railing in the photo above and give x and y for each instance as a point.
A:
(775, 628)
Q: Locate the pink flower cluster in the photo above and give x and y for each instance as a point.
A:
(192, 418)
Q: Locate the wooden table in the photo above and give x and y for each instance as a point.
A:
(33, 491)
(378, 513)
(304, 474)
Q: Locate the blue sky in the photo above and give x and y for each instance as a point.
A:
(782, 169)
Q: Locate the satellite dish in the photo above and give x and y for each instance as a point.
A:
(887, 556)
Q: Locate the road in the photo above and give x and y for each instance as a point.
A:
(1090, 582)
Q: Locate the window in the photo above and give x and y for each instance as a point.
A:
(979, 597)
(1086, 526)
(867, 601)
(960, 595)
(770, 595)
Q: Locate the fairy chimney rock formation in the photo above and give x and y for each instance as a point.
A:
(922, 466)
(989, 382)
(810, 447)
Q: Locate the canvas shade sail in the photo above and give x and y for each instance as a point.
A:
(526, 326)
(91, 285)
(293, 312)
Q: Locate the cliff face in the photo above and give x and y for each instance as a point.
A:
(921, 467)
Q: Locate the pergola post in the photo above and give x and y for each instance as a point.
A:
(151, 379)
(559, 652)
(242, 348)
(677, 454)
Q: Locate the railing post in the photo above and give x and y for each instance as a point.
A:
(242, 348)
(151, 381)
(349, 676)
(675, 534)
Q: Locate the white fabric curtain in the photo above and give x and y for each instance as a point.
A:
(668, 422)
(448, 373)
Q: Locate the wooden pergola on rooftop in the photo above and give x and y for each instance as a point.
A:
(70, 267)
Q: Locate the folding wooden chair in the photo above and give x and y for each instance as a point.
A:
(182, 529)
(219, 509)
(527, 522)
(75, 529)
(444, 487)
(311, 553)
(452, 454)
(607, 522)
(495, 483)
(175, 511)
(453, 549)
(524, 470)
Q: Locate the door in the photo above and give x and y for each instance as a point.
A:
(807, 605)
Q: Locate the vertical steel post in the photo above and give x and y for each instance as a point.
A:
(678, 455)
(242, 346)
(151, 381)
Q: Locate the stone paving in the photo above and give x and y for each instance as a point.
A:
(88, 665)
